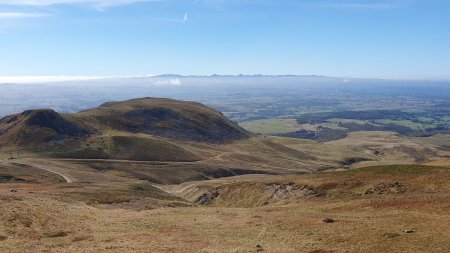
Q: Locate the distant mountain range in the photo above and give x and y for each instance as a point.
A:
(240, 97)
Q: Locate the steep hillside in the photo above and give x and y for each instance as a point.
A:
(178, 120)
(35, 127)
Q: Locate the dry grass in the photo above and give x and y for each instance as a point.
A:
(291, 228)
(441, 162)
(115, 206)
(52, 218)
(268, 153)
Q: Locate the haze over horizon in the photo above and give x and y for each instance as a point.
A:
(174, 78)
(389, 39)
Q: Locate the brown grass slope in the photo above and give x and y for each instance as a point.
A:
(35, 127)
(405, 184)
(173, 119)
(167, 118)
(126, 147)
(377, 209)
(147, 129)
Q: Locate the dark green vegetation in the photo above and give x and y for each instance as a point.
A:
(411, 124)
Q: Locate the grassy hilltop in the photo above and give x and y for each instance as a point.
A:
(162, 175)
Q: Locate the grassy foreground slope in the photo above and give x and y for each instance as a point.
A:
(377, 209)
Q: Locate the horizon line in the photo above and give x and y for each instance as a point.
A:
(24, 79)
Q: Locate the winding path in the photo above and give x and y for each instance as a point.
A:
(66, 177)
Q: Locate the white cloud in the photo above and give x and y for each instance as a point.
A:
(185, 18)
(16, 15)
(168, 82)
(42, 79)
(95, 3)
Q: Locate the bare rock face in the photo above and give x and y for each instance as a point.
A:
(254, 194)
(289, 191)
(207, 198)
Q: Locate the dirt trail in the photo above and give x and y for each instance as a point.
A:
(163, 189)
(48, 168)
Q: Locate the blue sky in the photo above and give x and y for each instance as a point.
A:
(352, 38)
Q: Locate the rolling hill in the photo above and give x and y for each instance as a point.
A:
(144, 122)
(172, 119)
(110, 178)
(34, 127)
